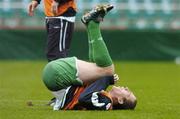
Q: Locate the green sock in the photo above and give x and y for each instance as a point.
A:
(91, 59)
(99, 50)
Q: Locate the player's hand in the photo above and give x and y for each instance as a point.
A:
(116, 78)
(31, 7)
(54, 8)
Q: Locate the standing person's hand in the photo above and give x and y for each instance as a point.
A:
(54, 7)
(31, 7)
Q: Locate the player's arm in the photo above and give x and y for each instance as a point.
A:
(96, 101)
(100, 84)
(93, 98)
(32, 5)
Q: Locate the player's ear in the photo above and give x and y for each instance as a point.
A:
(120, 100)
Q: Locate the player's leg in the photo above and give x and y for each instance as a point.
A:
(67, 36)
(103, 64)
(96, 15)
(59, 38)
(100, 52)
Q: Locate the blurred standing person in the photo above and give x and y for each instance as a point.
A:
(60, 18)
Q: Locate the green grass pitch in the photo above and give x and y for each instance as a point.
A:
(156, 85)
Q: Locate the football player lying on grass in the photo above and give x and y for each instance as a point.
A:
(70, 78)
(95, 96)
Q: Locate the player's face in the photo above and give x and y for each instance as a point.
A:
(123, 92)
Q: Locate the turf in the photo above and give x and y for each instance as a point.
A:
(156, 85)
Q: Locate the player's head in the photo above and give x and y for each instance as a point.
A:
(123, 98)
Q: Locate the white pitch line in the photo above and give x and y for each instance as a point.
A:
(11, 100)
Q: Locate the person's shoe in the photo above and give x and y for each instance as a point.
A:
(96, 14)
